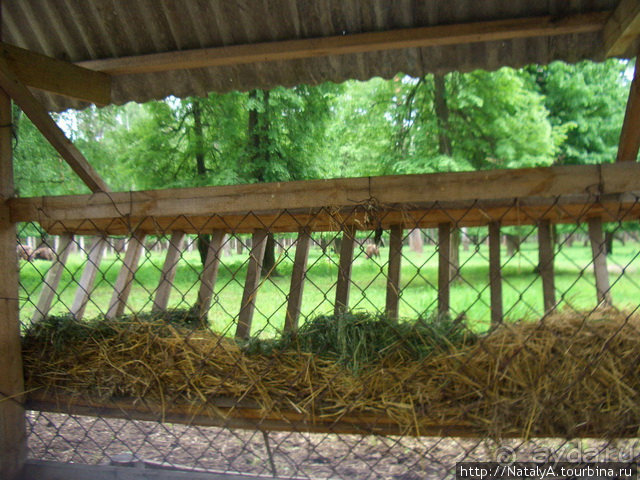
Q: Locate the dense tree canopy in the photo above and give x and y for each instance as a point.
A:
(539, 115)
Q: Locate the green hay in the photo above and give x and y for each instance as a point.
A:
(360, 339)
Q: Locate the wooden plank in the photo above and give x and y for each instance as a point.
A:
(298, 275)
(52, 280)
(441, 35)
(544, 182)
(630, 133)
(209, 274)
(495, 274)
(140, 470)
(54, 135)
(234, 414)
(622, 28)
(57, 76)
(252, 282)
(393, 272)
(545, 265)
(85, 287)
(599, 255)
(13, 437)
(527, 211)
(171, 261)
(444, 268)
(122, 287)
(343, 285)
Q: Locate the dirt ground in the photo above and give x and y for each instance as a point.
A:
(91, 440)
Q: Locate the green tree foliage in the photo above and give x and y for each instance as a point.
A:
(586, 102)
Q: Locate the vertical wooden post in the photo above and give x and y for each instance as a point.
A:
(545, 265)
(124, 280)
(630, 134)
(297, 280)
(85, 287)
(209, 274)
(13, 437)
(495, 274)
(52, 280)
(393, 273)
(252, 282)
(169, 268)
(444, 268)
(344, 270)
(599, 252)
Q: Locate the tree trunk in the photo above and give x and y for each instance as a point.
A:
(415, 240)
(513, 244)
(608, 241)
(442, 114)
(258, 129)
(201, 170)
(454, 255)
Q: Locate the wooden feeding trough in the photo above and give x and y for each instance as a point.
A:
(55, 57)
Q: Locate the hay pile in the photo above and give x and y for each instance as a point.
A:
(568, 375)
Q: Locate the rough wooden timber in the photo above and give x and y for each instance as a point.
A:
(622, 28)
(57, 76)
(13, 438)
(435, 36)
(512, 211)
(118, 213)
(21, 95)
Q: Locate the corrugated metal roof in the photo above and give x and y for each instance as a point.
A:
(79, 30)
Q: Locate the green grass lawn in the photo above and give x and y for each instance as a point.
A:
(522, 289)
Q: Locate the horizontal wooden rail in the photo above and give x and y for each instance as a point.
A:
(247, 414)
(438, 35)
(514, 211)
(545, 182)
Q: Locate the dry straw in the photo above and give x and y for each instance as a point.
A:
(567, 375)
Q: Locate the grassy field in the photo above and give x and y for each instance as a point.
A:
(470, 294)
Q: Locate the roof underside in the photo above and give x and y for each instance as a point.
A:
(78, 30)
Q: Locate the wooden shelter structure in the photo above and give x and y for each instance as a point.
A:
(59, 54)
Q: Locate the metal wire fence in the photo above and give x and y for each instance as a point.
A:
(374, 342)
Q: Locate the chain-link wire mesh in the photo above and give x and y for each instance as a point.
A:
(361, 343)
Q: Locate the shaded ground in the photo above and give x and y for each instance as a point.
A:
(91, 440)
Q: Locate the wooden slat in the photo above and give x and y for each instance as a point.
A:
(85, 287)
(444, 268)
(343, 286)
(13, 438)
(57, 76)
(232, 413)
(622, 28)
(122, 287)
(630, 133)
(495, 274)
(527, 211)
(393, 272)
(298, 275)
(543, 183)
(545, 265)
(440, 35)
(209, 274)
(252, 282)
(599, 255)
(54, 135)
(168, 274)
(140, 470)
(52, 280)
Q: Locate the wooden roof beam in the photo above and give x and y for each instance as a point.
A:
(20, 94)
(440, 35)
(630, 134)
(57, 76)
(622, 28)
